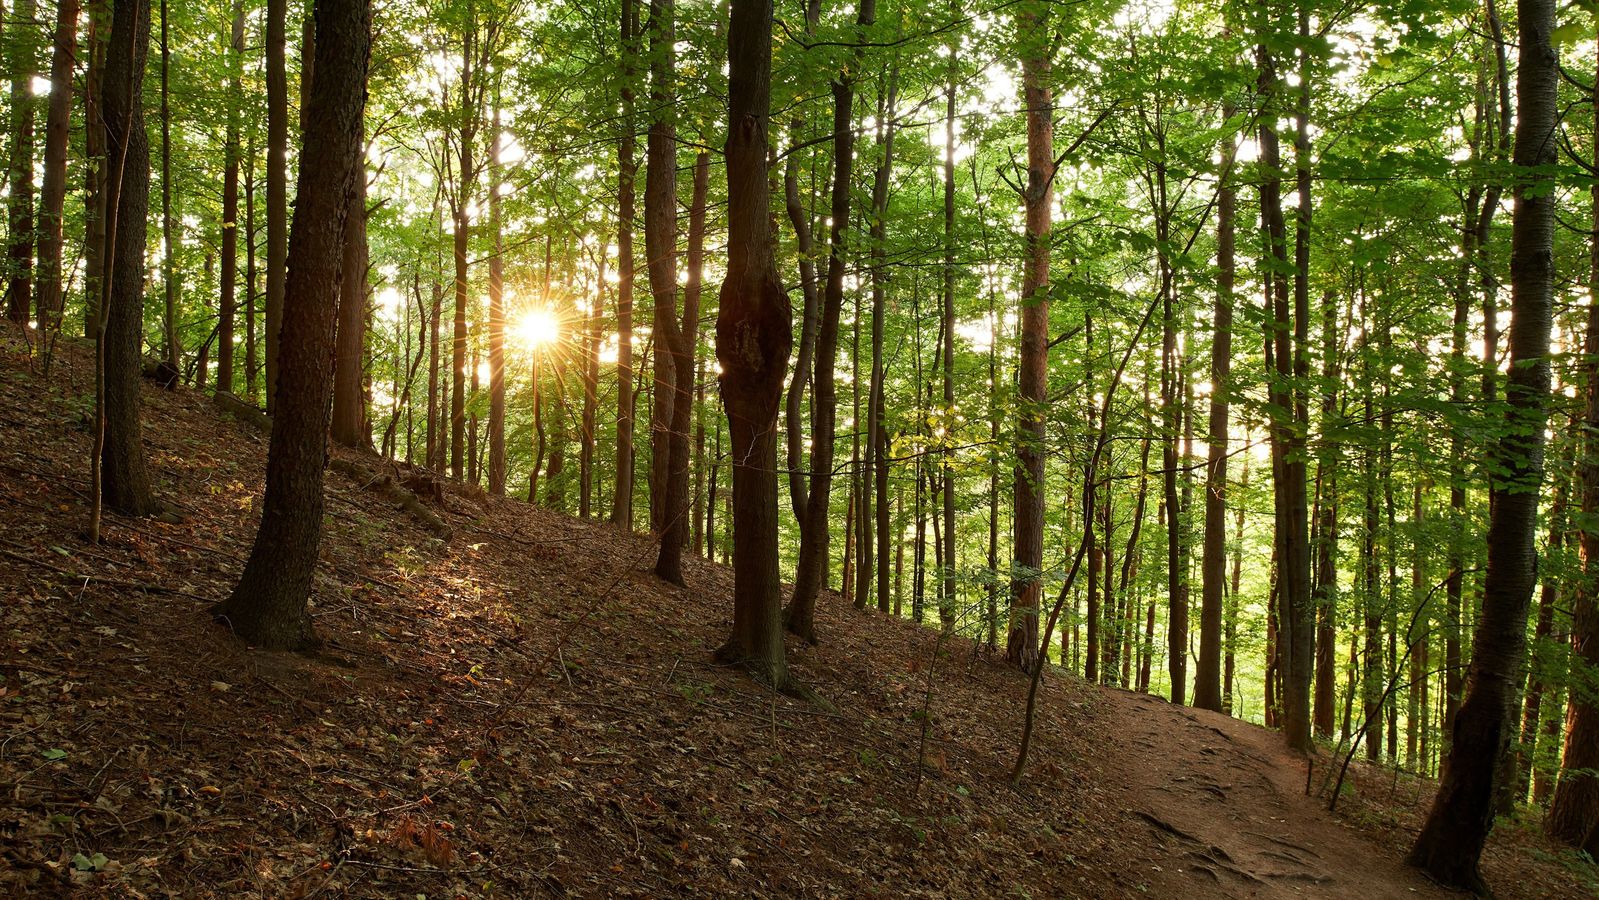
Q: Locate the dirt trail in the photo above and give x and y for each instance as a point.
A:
(1224, 805)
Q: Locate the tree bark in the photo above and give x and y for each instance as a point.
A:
(673, 360)
(124, 481)
(754, 334)
(1021, 637)
(268, 607)
(349, 386)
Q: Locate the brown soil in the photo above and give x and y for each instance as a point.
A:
(525, 711)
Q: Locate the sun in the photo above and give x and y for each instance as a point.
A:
(536, 329)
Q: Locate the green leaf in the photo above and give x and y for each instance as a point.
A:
(53, 754)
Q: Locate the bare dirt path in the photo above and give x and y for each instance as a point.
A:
(1224, 805)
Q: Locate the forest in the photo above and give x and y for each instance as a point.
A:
(1241, 355)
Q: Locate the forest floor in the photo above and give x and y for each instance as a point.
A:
(523, 710)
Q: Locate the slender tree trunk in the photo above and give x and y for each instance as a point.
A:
(267, 608)
(676, 534)
(874, 478)
(946, 456)
(349, 390)
(622, 501)
(466, 174)
(1021, 639)
(251, 356)
(53, 191)
(227, 304)
(497, 335)
(674, 353)
(815, 531)
(1208, 693)
(21, 53)
(169, 275)
(94, 143)
(277, 203)
(591, 398)
(800, 218)
(1462, 814)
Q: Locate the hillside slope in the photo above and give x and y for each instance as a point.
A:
(524, 710)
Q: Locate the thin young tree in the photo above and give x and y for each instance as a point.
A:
(268, 607)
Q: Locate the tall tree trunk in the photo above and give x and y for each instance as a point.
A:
(227, 304)
(1288, 356)
(124, 482)
(675, 537)
(267, 608)
(800, 218)
(1451, 841)
(53, 191)
(1324, 530)
(497, 335)
(874, 478)
(349, 387)
(94, 143)
(591, 382)
(754, 334)
(946, 456)
(673, 360)
(1171, 375)
(466, 175)
(815, 531)
(1208, 692)
(169, 274)
(622, 501)
(1021, 638)
(277, 211)
(21, 54)
(251, 365)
